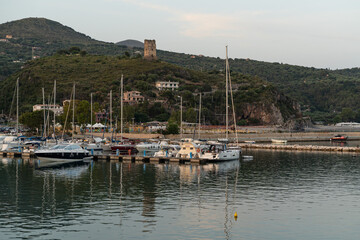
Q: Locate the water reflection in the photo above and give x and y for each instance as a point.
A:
(276, 195)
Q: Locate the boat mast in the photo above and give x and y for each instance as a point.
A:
(44, 130)
(48, 116)
(181, 121)
(121, 105)
(54, 106)
(199, 118)
(111, 111)
(227, 94)
(17, 106)
(232, 104)
(73, 120)
(91, 117)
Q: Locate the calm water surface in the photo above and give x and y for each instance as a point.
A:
(277, 195)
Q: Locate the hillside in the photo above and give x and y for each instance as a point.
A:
(322, 93)
(131, 43)
(256, 101)
(44, 30)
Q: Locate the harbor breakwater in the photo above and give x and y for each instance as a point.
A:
(296, 147)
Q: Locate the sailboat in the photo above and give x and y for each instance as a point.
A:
(123, 147)
(220, 151)
(12, 143)
(214, 150)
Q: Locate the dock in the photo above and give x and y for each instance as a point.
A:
(149, 159)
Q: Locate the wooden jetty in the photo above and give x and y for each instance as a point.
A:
(18, 154)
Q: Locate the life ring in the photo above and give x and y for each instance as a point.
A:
(198, 150)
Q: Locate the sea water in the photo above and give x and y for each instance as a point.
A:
(276, 195)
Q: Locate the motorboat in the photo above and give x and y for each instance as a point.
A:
(279, 141)
(10, 144)
(153, 146)
(63, 152)
(189, 149)
(218, 151)
(340, 138)
(148, 146)
(124, 148)
(168, 151)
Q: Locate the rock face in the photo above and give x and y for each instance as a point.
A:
(276, 111)
(268, 114)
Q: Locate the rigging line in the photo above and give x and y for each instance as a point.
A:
(232, 103)
(13, 100)
(67, 114)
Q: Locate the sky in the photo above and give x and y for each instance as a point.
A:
(313, 33)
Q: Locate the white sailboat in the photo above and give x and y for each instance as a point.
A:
(227, 153)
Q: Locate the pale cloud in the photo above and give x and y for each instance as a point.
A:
(196, 25)
(150, 6)
(200, 25)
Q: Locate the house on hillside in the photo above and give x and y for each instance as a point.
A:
(101, 116)
(167, 85)
(55, 108)
(133, 97)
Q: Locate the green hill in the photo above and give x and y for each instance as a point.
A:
(322, 93)
(44, 30)
(131, 43)
(256, 100)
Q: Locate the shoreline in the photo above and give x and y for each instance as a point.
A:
(242, 137)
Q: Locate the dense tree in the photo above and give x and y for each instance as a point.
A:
(172, 128)
(32, 120)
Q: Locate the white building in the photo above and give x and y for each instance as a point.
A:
(57, 108)
(347, 124)
(167, 85)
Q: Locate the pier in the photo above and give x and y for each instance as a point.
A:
(149, 159)
(198, 161)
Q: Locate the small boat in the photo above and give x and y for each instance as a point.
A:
(339, 138)
(281, 141)
(167, 151)
(249, 141)
(247, 158)
(218, 151)
(63, 152)
(124, 148)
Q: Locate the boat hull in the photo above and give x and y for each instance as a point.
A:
(124, 149)
(62, 156)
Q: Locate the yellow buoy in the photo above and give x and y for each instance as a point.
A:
(235, 215)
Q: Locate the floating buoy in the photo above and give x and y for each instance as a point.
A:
(235, 215)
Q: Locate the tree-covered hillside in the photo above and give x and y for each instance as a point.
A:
(43, 29)
(322, 93)
(100, 74)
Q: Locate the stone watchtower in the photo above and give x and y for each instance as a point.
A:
(150, 50)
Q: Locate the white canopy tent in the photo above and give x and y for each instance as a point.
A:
(98, 125)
